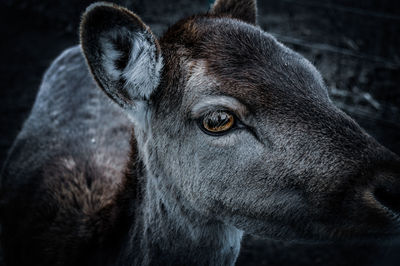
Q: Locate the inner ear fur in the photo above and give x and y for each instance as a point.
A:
(245, 10)
(122, 53)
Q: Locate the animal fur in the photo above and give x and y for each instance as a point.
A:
(135, 181)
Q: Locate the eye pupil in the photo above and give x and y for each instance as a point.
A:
(218, 122)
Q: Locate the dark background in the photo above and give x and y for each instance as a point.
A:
(355, 45)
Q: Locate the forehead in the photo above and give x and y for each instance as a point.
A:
(244, 62)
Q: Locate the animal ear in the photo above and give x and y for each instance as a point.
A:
(245, 10)
(122, 53)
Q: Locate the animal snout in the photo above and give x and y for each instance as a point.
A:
(388, 194)
(387, 189)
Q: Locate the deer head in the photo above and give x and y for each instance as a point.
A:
(239, 128)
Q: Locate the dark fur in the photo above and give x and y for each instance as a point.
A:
(72, 194)
(55, 211)
(245, 10)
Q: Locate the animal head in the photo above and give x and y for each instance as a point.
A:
(241, 127)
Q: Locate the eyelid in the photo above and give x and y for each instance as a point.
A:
(239, 123)
(219, 103)
(237, 120)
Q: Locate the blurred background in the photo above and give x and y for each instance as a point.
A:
(355, 45)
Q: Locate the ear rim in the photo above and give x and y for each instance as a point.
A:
(91, 35)
(101, 4)
(229, 8)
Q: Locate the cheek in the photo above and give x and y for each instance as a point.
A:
(219, 168)
(231, 155)
(226, 142)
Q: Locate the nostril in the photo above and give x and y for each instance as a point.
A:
(389, 196)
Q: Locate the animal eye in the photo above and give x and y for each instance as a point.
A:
(217, 122)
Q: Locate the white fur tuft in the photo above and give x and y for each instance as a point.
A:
(109, 56)
(142, 73)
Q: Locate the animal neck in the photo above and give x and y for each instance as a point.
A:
(167, 232)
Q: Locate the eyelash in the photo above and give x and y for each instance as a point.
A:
(237, 124)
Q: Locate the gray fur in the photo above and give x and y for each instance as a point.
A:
(294, 168)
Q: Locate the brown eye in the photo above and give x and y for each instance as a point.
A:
(217, 122)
